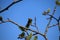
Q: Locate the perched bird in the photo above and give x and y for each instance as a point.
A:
(1, 19)
(28, 23)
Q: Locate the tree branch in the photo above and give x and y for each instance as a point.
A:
(53, 17)
(24, 28)
(36, 25)
(49, 21)
(53, 25)
(9, 6)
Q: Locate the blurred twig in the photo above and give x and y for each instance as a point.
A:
(36, 25)
(9, 6)
(49, 21)
(53, 17)
(53, 25)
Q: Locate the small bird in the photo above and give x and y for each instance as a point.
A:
(1, 19)
(28, 23)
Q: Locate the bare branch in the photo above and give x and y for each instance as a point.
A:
(9, 6)
(36, 25)
(53, 25)
(25, 28)
(53, 17)
(33, 25)
(49, 21)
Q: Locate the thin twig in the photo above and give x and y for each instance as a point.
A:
(9, 6)
(27, 33)
(49, 21)
(33, 25)
(53, 17)
(53, 25)
(36, 25)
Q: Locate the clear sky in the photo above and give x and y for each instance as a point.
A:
(20, 13)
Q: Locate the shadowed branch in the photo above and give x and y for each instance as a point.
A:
(9, 6)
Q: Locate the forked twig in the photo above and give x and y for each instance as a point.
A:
(49, 21)
(25, 28)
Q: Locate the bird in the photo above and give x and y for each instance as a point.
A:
(28, 23)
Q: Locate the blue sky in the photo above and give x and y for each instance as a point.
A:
(20, 13)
